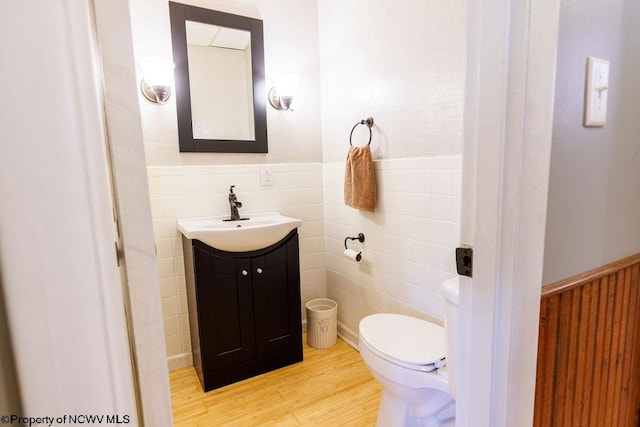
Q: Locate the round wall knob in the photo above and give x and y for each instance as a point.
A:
(259, 270)
(244, 272)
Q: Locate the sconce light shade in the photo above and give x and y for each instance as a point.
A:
(157, 78)
(281, 95)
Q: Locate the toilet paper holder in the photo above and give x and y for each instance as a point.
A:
(359, 237)
(350, 253)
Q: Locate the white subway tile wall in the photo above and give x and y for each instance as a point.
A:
(408, 251)
(191, 191)
(410, 240)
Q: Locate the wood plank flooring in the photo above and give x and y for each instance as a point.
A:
(331, 387)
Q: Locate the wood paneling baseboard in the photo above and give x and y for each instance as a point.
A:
(589, 349)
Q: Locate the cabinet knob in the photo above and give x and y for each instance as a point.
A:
(259, 270)
(244, 272)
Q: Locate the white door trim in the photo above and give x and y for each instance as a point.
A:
(508, 119)
(129, 178)
(59, 272)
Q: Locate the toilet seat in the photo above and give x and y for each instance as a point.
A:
(405, 341)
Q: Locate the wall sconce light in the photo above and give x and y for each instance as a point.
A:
(281, 95)
(156, 81)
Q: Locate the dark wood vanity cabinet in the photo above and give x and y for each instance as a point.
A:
(244, 310)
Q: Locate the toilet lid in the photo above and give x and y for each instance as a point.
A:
(403, 338)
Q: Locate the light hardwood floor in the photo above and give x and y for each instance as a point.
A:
(331, 387)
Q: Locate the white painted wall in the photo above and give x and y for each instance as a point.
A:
(291, 45)
(402, 63)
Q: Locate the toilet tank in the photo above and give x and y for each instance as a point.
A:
(450, 290)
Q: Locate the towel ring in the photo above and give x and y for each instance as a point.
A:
(368, 122)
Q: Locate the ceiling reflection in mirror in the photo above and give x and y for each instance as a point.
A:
(220, 82)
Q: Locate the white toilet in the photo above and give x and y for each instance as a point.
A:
(407, 356)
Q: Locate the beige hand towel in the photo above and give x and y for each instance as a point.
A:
(360, 180)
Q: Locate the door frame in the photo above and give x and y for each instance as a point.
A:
(511, 52)
(60, 278)
(128, 169)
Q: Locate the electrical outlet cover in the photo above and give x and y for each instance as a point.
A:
(266, 176)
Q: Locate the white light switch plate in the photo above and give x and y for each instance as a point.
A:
(596, 92)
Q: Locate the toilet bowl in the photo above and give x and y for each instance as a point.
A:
(407, 356)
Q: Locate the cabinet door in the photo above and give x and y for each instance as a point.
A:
(225, 309)
(276, 287)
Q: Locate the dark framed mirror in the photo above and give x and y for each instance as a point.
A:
(220, 84)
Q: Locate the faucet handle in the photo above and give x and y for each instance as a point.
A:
(231, 189)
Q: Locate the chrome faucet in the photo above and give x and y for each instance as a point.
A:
(234, 204)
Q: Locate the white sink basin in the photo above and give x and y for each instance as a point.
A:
(257, 232)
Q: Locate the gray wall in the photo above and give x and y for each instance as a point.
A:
(593, 213)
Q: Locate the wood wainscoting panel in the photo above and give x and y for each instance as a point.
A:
(589, 349)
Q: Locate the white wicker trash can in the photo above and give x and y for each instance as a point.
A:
(322, 323)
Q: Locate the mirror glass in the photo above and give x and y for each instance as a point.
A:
(219, 61)
(219, 73)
